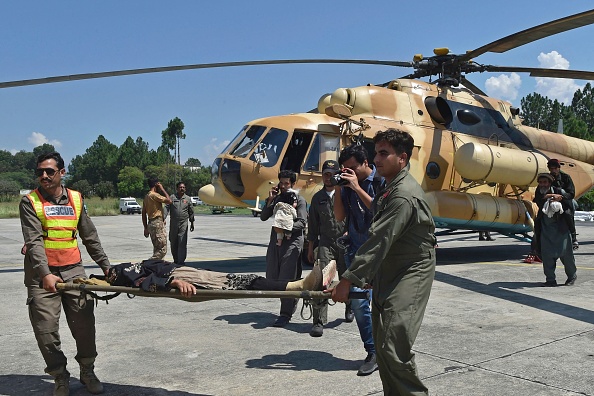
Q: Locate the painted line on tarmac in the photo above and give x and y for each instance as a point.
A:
(539, 265)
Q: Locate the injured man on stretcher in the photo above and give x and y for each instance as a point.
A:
(158, 275)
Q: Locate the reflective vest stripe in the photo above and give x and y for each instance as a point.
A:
(59, 224)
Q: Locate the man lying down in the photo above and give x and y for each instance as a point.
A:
(158, 275)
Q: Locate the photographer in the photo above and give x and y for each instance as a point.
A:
(357, 186)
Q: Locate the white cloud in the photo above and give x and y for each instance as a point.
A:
(504, 86)
(211, 150)
(37, 139)
(561, 89)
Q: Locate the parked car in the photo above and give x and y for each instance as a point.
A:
(581, 215)
(129, 206)
(196, 201)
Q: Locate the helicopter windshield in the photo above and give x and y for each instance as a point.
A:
(267, 152)
(242, 145)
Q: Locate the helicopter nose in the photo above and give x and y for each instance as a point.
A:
(212, 195)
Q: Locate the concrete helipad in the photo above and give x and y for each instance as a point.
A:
(490, 328)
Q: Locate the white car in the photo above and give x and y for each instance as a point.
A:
(581, 215)
(196, 201)
(129, 206)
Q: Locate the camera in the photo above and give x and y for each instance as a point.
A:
(337, 180)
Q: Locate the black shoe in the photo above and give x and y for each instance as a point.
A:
(550, 283)
(369, 366)
(349, 315)
(281, 321)
(571, 281)
(317, 330)
(575, 245)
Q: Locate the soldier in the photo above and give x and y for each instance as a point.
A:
(563, 181)
(181, 211)
(51, 217)
(282, 261)
(324, 229)
(398, 259)
(152, 218)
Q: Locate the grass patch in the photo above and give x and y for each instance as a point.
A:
(107, 207)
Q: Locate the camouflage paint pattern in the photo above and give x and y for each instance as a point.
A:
(489, 187)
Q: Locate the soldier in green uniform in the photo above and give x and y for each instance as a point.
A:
(323, 228)
(180, 211)
(398, 261)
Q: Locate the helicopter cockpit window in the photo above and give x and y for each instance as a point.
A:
(324, 148)
(247, 142)
(267, 152)
(295, 154)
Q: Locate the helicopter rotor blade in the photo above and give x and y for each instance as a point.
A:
(466, 82)
(542, 72)
(87, 76)
(533, 34)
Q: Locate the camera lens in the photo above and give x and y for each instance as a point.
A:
(337, 180)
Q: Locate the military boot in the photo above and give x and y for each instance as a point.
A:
(89, 379)
(62, 384)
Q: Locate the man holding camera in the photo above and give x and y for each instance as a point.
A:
(355, 191)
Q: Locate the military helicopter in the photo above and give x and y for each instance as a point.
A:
(475, 160)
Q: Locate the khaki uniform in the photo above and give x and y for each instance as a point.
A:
(153, 206)
(180, 210)
(44, 306)
(398, 259)
(325, 229)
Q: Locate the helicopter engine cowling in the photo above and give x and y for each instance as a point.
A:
(494, 164)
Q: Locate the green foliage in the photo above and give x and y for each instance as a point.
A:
(25, 178)
(97, 164)
(131, 182)
(586, 201)
(45, 148)
(172, 135)
(105, 189)
(106, 170)
(578, 118)
(193, 162)
(83, 187)
(8, 190)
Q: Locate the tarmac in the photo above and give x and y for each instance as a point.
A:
(490, 327)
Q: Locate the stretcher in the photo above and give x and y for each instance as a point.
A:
(201, 294)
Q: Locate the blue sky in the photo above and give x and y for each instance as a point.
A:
(43, 39)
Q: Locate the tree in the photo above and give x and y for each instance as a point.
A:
(97, 164)
(24, 160)
(583, 108)
(195, 162)
(45, 148)
(83, 187)
(6, 161)
(131, 182)
(105, 189)
(172, 135)
(8, 189)
(133, 153)
(24, 178)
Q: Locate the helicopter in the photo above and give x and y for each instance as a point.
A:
(473, 157)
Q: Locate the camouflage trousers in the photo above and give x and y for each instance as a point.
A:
(158, 237)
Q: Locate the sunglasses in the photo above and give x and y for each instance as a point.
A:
(48, 171)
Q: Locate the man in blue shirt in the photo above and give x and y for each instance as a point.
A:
(352, 203)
